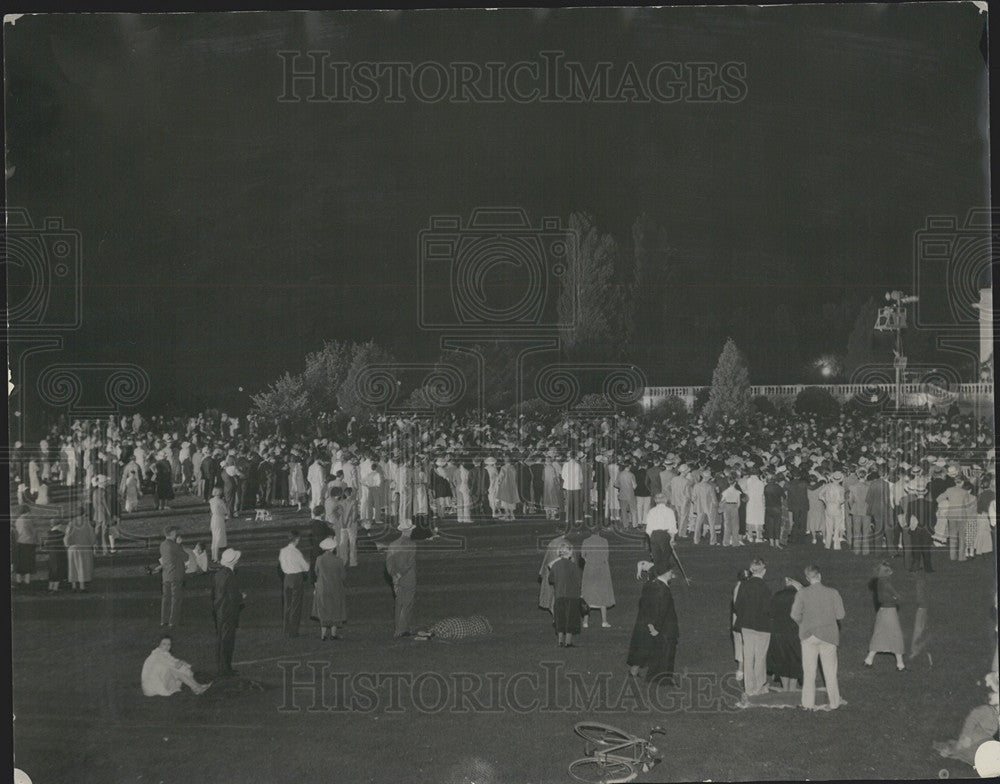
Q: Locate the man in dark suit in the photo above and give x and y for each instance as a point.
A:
(172, 559)
(753, 609)
(227, 603)
(210, 474)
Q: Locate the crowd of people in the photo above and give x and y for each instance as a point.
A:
(867, 482)
(776, 478)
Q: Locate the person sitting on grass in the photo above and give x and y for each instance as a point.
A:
(980, 726)
(163, 674)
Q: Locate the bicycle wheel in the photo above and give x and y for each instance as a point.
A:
(596, 771)
(604, 734)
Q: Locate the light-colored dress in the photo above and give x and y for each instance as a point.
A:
(296, 482)
(753, 486)
(551, 487)
(597, 588)
(887, 636)
(79, 541)
(217, 524)
(817, 511)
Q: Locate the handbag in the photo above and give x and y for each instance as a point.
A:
(584, 608)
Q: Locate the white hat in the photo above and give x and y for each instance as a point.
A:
(329, 543)
(230, 557)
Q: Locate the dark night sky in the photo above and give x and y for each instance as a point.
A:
(226, 234)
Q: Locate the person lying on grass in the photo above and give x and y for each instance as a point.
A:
(457, 628)
(163, 674)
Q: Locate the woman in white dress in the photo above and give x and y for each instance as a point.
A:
(753, 486)
(317, 483)
(220, 513)
(463, 496)
(296, 481)
(492, 493)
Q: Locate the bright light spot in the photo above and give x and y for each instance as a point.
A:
(827, 366)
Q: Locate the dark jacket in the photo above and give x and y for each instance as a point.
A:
(227, 600)
(567, 578)
(173, 558)
(753, 606)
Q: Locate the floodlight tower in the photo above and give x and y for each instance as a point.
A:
(892, 318)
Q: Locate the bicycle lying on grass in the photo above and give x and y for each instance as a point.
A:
(613, 755)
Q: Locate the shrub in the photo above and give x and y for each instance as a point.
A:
(763, 405)
(817, 401)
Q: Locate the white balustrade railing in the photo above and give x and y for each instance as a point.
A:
(976, 390)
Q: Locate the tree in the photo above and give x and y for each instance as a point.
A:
(353, 397)
(596, 310)
(730, 393)
(286, 401)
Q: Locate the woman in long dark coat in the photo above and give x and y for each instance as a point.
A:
(329, 596)
(654, 638)
(163, 479)
(784, 654)
(58, 559)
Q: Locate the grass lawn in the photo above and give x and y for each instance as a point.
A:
(455, 712)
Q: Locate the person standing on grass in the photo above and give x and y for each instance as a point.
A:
(784, 653)
(654, 638)
(958, 506)
(833, 498)
(546, 596)
(401, 564)
(661, 528)
(329, 605)
(753, 618)
(25, 546)
(572, 483)
(625, 483)
(56, 550)
(730, 505)
(887, 636)
(227, 604)
(294, 568)
(220, 513)
(817, 610)
(173, 559)
(79, 541)
(753, 486)
(163, 478)
(101, 513)
(774, 494)
(597, 591)
(566, 580)
(131, 485)
(704, 504)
